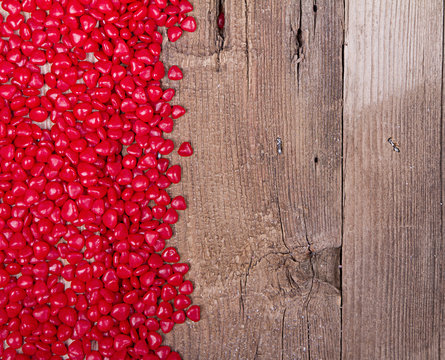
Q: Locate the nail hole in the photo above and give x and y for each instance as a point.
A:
(315, 8)
(315, 159)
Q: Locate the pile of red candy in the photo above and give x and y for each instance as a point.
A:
(84, 211)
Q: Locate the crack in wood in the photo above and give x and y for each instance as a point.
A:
(305, 232)
(308, 330)
(221, 10)
(221, 36)
(283, 238)
(299, 39)
(315, 9)
(297, 42)
(280, 218)
(241, 298)
(243, 287)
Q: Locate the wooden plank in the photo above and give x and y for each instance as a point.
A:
(263, 231)
(392, 224)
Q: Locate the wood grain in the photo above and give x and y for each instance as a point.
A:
(263, 231)
(392, 225)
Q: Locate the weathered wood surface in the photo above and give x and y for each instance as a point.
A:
(393, 243)
(263, 230)
(265, 233)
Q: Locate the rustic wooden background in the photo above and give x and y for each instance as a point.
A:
(334, 248)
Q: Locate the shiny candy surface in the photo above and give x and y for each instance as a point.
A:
(85, 208)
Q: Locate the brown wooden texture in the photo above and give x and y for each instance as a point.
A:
(392, 289)
(263, 230)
